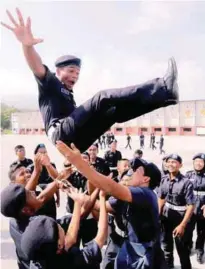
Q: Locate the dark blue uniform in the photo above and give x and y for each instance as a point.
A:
(142, 137)
(111, 159)
(198, 180)
(64, 121)
(26, 163)
(101, 166)
(177, 193)
(141, 248)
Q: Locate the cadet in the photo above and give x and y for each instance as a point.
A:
(103, 141)
(98, 163)
(128, 141)
(153, 142)
(88, 227)
(46, 241)
(112, 157)
(161, 144)
(197, 176)
(176, 204)
(21, 157)
(84, 124)
(142, 137)
(136, 203)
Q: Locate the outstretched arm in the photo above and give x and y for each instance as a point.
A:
(24, 35)
(98, 180)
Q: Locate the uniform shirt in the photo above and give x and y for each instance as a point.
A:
(141, 137)
(128, 138)
(141, 214)
(101, 166)
(178, 192)
(55, 101)
(26, 162)
(78, 181)
(16, 229)
(161, 141)
(111, 158)
(198, 180)
(44, 177)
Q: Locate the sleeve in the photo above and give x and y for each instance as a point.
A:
(189, 193)
(161, 193)
(139, 195)
(90, 255)
(116, 204)
(48, 82)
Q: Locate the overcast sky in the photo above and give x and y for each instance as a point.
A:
(120, 43)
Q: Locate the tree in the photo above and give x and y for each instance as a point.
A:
(6, 112)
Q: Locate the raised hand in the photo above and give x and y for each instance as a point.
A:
(37, 162)
(70, 153)
(21, 29)
(77, 195)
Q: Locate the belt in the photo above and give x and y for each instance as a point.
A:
(51, 130)
(113, 168)
(175, 207)
(200, 193)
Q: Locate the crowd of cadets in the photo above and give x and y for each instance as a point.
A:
(33, 195)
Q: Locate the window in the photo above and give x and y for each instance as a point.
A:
(157, 129)
(172, 129)
(36, 130)
(118, 129)
(43, 130)
(143, 129)
(187, 129)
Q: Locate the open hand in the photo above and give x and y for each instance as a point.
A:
(77, 195)
(21, 29)
(179, 231)
(71, 153)
(37, 162)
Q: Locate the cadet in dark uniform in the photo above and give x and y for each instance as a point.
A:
(103, 141)
(44, 239)
(21, 157)
(136, 203)
(153, 142)
(98, 163)
(84, 124)
(197, 177)
(161, 144)
(128, 141)
(88, 226)
(112, 157)
(142, 137)
(48, 172)
(176, 204)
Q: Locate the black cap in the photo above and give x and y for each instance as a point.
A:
(66, 60)
(13, 199)
(199, 156)
(40, 239)
(175, 157)
(151, 170)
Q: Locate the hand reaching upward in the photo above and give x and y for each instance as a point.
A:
(21, 29)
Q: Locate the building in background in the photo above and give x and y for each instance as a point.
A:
(186, 118)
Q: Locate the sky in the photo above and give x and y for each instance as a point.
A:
(120, 44)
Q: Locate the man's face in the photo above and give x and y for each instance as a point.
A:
(173, 166)
(138, 155)
(21, 153)
(123, 166)
(85, 157)
(42, 150)
(164, 163)
(138, 179)
(68, 75)
(113, 146)
(93, 151)
(22, 176)
(198, 164)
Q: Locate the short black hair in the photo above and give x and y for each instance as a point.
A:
(139, 151)
(13, 170)
(86, 153)
(19, 147)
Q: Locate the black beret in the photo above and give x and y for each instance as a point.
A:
(67, 60)
(175, 157)
(165, 158)
(40, 239)
(199, 156)
(13, 199)
(151, 170)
